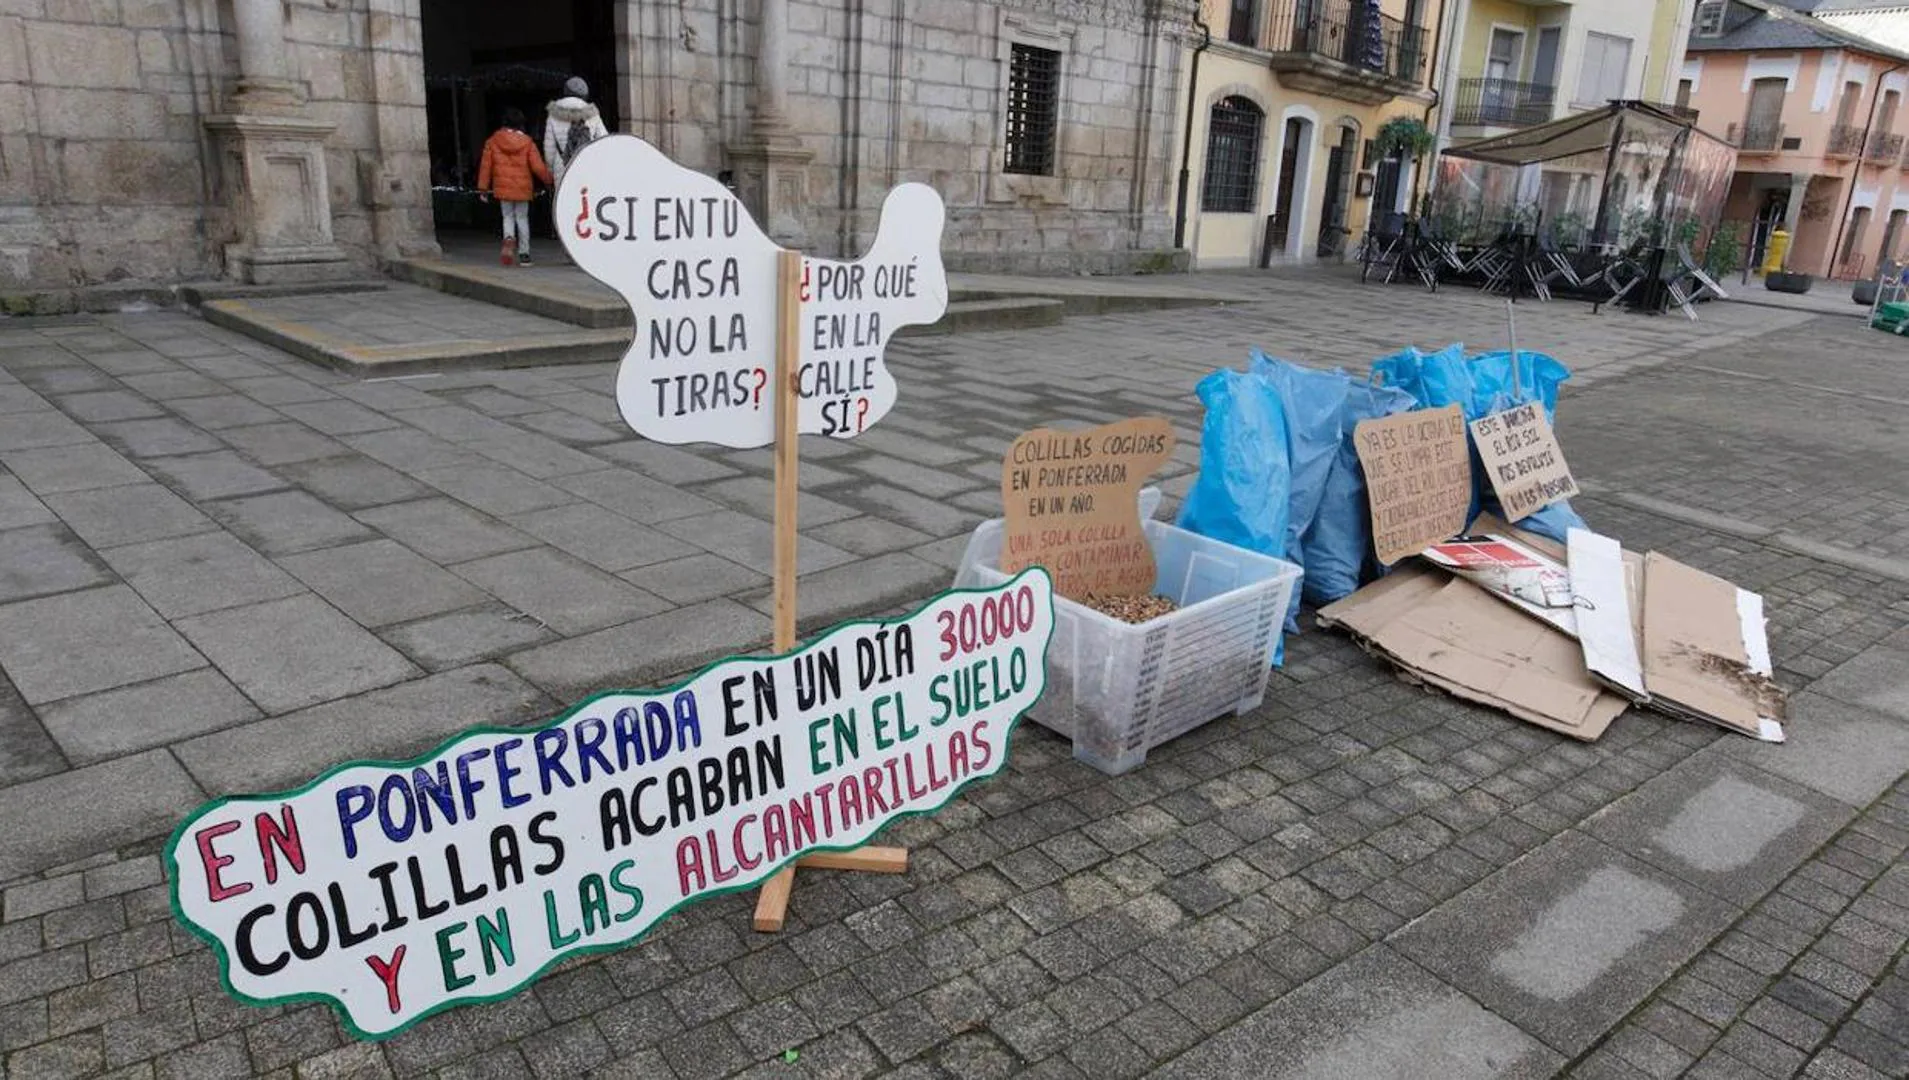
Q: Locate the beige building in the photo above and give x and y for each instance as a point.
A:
(1514, 63)
(1288, 97)
(144, 143)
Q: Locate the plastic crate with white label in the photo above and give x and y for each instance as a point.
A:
(1119, 689)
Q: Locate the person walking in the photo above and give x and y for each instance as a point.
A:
(509, 169)
(573, 124)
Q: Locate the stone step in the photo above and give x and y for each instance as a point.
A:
(1005, 313)
(578, 346)
(1075, 303)
(556, 293)
(538, 293)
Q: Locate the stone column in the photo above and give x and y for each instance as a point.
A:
(272, 158)
(772, 51)
(265, 81)
(771, 165)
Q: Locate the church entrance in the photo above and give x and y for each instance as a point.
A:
(482, 57)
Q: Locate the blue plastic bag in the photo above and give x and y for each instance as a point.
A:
(1340, 539)
(1242, 492)
(1314, 403)
(1481, 385)
(1244, 488)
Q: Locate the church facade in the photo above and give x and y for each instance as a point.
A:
(147, 143)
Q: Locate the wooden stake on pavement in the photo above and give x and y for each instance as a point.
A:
(772, 902)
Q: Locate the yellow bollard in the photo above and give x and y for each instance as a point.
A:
(1775, 251)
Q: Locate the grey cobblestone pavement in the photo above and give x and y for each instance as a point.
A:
(222, 569)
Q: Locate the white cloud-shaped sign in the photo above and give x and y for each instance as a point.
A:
(700, 278)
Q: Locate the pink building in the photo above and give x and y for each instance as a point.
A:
(1815, 112)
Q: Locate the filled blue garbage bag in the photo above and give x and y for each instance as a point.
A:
(1242, 492)
(1338, 545)
(1314, 403)
(1481, 385)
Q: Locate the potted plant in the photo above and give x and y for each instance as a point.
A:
(1786, 281)
(1404, 135)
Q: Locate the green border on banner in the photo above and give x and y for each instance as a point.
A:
(344, 1014)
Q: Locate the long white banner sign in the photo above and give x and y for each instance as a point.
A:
(395, 890)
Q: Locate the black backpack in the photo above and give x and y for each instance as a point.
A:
(576, 139)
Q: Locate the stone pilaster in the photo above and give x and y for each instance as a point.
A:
(770, 163)
(272, 160)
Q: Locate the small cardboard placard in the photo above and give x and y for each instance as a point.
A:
(395, 890)
(700, 278)
(1523, 459)
(1418, 479)
(1072, 505)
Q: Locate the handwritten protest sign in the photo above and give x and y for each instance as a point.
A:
(700, 278)
(1418, 478)
(1072, 505)
(395, 890)
(1523, 459)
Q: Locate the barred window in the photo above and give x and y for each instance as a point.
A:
(1034, 109)
(1232, 157)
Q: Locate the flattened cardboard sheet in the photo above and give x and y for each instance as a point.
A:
(1451, 634)
(1706, 653)
(1600, 588)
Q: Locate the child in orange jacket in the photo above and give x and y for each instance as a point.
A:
(510, 161)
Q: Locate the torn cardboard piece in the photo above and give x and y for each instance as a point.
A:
(1451, 634)
(1607, 619)
(1706, 650)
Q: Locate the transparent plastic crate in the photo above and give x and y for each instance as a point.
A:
(1119, 689)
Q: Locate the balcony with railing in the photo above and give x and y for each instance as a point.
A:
(1502, 103)
(1882, 146)
(1755, 138)
(1845, 140)
(1342, 49)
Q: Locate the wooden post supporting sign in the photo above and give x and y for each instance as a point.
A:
(772, 903)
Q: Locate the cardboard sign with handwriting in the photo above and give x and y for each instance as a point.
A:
(1418, 479)
(1072, 501)
(1523, 459)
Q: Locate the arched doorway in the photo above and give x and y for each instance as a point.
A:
(1292, 188)
(484, 56)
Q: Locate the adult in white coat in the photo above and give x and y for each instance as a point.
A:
(573, 124)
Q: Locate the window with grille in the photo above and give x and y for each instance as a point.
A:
(1232, 157)
(1033, 110)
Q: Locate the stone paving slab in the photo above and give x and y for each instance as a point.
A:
(96, 808)
(1842, 750)
(1378, 1017)
(1567, 940)
(393, 723)
(1718, 823)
